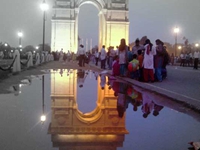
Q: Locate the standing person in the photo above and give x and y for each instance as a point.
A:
(148, 62)
(187, 59)
(61, 55)
(81, 54)
(123, 60)
(182, 56)
(117, 50)
(103, 57)
(196, 59)
(68, 56)
(191, 58)
(64, 57)
(96, 57)
(129, 55)
(137, 47)
(140, 59)
(73, 57)
(111, 57)
(108, 57)
(166, 60)
(159, 57)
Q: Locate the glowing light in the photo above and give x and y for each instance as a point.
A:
(196, 45)
(6, 44)
(20, 34)
(20, 46)
(44, 6)
(176, 30)
(179, 47)
(43, 118)
(37, 47)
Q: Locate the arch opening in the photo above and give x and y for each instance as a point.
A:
(88, 26)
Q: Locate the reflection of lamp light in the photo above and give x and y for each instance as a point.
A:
(43, 117)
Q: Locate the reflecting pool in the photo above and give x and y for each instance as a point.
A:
(85, 110)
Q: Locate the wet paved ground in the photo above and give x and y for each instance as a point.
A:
(85, 110)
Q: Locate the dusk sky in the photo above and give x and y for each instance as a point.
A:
(154, 18)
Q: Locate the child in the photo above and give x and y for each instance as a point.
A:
(140, 59)
(133, 68)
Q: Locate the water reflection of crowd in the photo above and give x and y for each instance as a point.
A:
(127, 95)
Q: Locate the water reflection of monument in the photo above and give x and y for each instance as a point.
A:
(71, 129)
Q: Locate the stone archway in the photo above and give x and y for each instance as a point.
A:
(113, 23)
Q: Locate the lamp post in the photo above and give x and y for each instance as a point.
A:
(20, 34)
(176, 31)
(44, 7)
(196, 45)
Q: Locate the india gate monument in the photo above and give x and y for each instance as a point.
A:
(113, 23)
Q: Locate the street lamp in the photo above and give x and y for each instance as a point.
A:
(20, 34)
(37, 47)
(44, 7)
(196, 45)
(176, 31)
(180, 47)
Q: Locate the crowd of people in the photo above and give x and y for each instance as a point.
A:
(190, 59)
(144, 62)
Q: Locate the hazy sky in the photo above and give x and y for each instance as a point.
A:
(154, 18)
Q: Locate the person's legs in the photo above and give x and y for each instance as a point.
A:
(141, 74)
(110, 62)
(96, 61)
(80, 60)
(145, 75)
(151, 75)
(122, 69)
(158, 72)
(181, 62)
(104, 64)
(195, 63)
